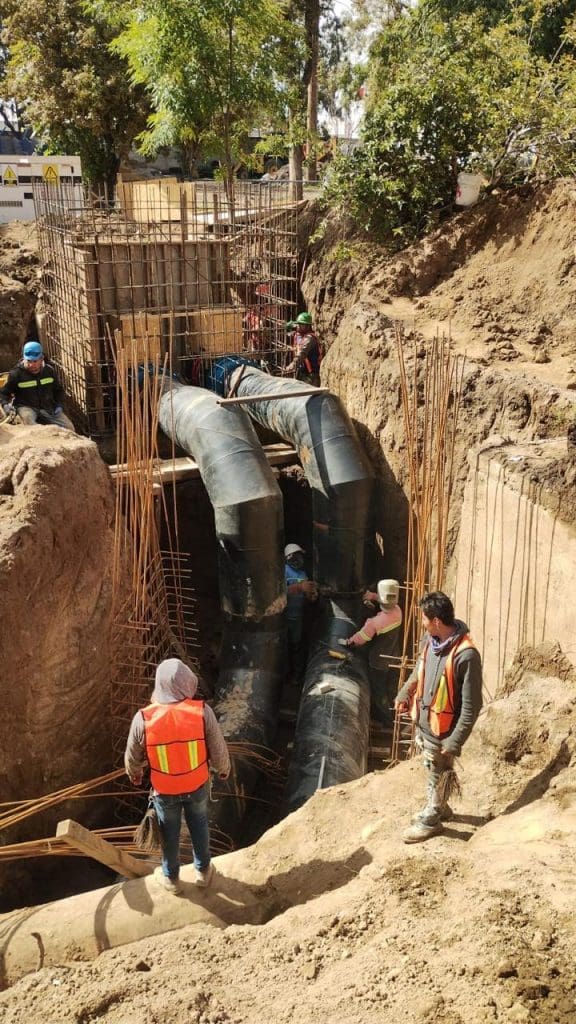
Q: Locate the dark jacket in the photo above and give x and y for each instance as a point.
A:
(468, 687)
(37, 390)
(308, 356)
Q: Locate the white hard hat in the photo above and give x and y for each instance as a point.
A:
(291, 549)
(388, 590)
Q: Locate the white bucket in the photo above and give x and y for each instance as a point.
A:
(468, 188)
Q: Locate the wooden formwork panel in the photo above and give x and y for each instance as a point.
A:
(121, 276)
(216, 331)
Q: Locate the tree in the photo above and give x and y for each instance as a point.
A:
(74, 92)
(210, 68)
(471, 91)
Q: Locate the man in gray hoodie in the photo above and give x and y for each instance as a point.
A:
(179, 739)
(444, 696)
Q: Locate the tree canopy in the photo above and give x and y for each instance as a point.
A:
(74, 92)
(460, 86)
(210, 68)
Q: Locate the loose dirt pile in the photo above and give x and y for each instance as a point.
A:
(473, 927)
(56, 540)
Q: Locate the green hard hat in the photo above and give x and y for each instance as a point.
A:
(304, 318)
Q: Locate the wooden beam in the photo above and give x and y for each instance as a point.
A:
(186, 468)
(79, 838)
(268, 398)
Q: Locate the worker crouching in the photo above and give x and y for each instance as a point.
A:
(33, 392)
(179, 738)
(444, 696)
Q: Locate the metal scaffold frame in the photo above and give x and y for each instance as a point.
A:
(196, 275)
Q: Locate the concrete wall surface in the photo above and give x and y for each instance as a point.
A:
(516, 556)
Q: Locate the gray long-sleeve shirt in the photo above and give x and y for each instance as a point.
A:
(467, 686)
(135, 759)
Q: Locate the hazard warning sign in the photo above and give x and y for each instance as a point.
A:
(51, 174)
(9, 176)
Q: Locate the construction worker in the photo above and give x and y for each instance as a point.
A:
(444, 696)
(33, 391)
(180, 739)
(382, 632)
(307, 351)
(299, 590)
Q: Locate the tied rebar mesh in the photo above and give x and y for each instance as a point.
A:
(431, 389)
(200, 276)
(153, 604)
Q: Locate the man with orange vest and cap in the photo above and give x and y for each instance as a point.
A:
(444, 696)
(179, 738)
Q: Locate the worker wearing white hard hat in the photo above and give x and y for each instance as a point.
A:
(299, 590)
(382, 632)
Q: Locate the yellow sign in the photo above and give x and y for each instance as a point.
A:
(50, 174)
(9, 177)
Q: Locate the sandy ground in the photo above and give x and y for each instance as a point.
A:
(472, 927)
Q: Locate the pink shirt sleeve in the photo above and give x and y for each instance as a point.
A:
(383, 622)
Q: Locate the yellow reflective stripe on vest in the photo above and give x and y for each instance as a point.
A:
(162, 754)
(193, 753)
(27, 384)
(47, 380)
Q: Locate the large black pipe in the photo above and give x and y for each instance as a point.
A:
(248, 512)
(331, 736)
(332, 730)
(336, 467)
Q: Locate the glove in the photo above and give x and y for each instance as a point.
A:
(58, 410)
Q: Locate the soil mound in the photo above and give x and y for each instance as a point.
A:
(473, 927)
(56, 544)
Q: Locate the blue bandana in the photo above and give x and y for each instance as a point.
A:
(441, 646)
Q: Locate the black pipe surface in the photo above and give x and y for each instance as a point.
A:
(332, 729)
(248, 512)
(337, 470)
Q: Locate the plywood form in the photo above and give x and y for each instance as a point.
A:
(216, 331)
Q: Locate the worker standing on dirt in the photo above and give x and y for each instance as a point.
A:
(180, 739)
(307, 351)
(33, 391)
(299, 590)
(444, 696)
(382, 632)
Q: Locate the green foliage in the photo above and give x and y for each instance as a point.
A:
(76, 95)
(209, 68)
(450, 93)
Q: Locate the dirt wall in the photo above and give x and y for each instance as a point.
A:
(56, 546)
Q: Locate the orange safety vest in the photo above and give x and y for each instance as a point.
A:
(442, 710)
(176, 746)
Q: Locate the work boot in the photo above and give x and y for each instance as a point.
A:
(420, 832)
(170, 884)
(446, 814)
(203, 878)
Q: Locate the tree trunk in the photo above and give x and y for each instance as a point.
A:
(296, 163)
(312, 27)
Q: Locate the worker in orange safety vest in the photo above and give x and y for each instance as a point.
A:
(444, 697)
(179, 739)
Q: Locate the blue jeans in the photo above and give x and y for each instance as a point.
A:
(31, 416)
(169, 810)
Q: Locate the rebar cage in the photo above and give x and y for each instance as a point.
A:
(195, 272)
